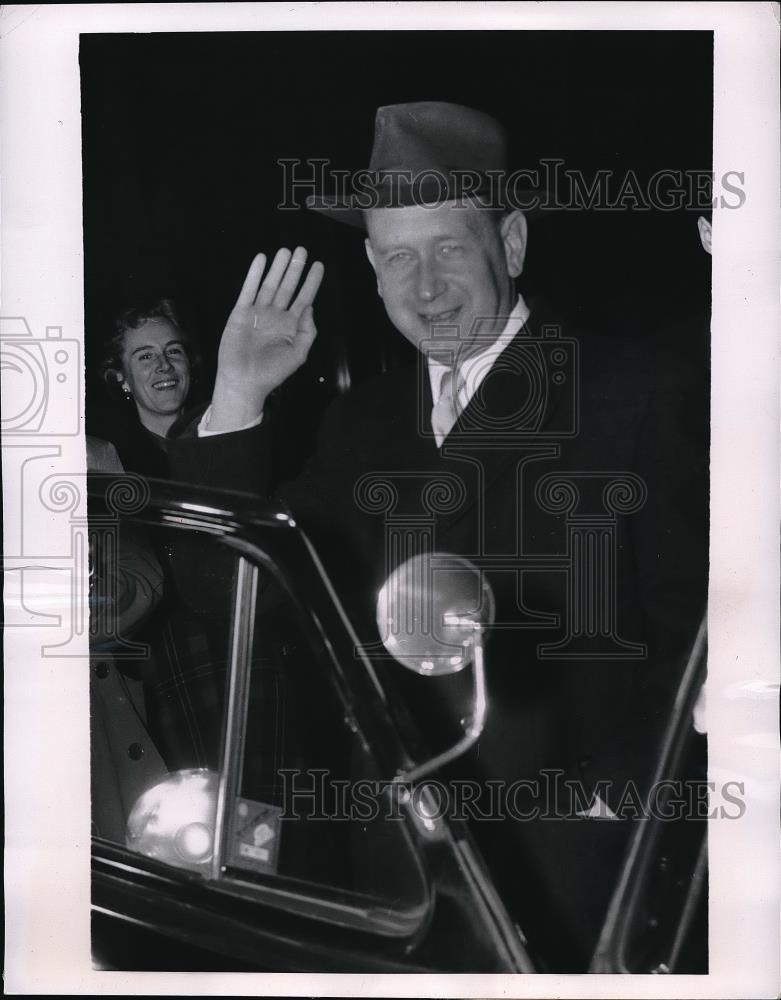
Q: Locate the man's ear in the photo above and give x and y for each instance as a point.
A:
(370, 255)
(514, 232)
(706, 234)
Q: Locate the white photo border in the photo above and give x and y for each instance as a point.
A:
(47, 751)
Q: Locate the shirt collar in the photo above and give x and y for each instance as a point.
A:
(473, 370)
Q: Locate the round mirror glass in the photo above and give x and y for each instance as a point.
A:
(432, 610)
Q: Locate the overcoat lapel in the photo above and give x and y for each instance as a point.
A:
(519, 409)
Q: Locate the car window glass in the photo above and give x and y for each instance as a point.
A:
(158, 658)
(312, 808)
(312, 804)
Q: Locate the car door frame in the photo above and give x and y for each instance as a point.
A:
(182, 906)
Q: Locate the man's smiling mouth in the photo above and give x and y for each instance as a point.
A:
(441, 317)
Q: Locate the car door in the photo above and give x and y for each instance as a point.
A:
(252, 760)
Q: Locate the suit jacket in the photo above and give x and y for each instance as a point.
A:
(577, 479)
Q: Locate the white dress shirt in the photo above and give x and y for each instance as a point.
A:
(203, 424)
(475, 368)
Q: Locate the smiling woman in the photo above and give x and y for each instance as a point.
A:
(150, 366)
(157, 372)
(148, 361)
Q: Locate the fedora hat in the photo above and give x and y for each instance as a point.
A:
(426, 153)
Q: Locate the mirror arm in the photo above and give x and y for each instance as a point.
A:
(473, 725)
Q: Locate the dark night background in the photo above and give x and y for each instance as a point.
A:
(182, 134)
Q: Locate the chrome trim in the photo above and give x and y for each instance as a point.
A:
(242, 631)
(504, 931)
(473, 726)
(610, 952)
(690, 906)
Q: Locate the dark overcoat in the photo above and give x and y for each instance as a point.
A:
(577, 479)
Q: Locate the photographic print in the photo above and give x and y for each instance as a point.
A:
(389, 519)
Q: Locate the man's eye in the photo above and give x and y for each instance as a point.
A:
(145, 357)
(450, 249)
(400, 257)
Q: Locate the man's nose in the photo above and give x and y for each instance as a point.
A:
(430, 281)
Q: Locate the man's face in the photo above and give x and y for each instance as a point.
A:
(446, 266)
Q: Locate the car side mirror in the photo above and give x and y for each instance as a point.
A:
(433, 612)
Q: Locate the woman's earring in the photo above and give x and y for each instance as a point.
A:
(126, 390)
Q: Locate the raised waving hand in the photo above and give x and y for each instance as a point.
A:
(267, 337)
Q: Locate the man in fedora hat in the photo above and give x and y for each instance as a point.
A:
(553, 460)
(440, 162)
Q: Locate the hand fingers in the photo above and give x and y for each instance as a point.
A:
(271, 282)
(290, 281)
(250, 287)
(306, 296)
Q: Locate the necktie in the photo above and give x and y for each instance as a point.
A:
(445, 412)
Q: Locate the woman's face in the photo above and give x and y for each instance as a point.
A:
(156, 368)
